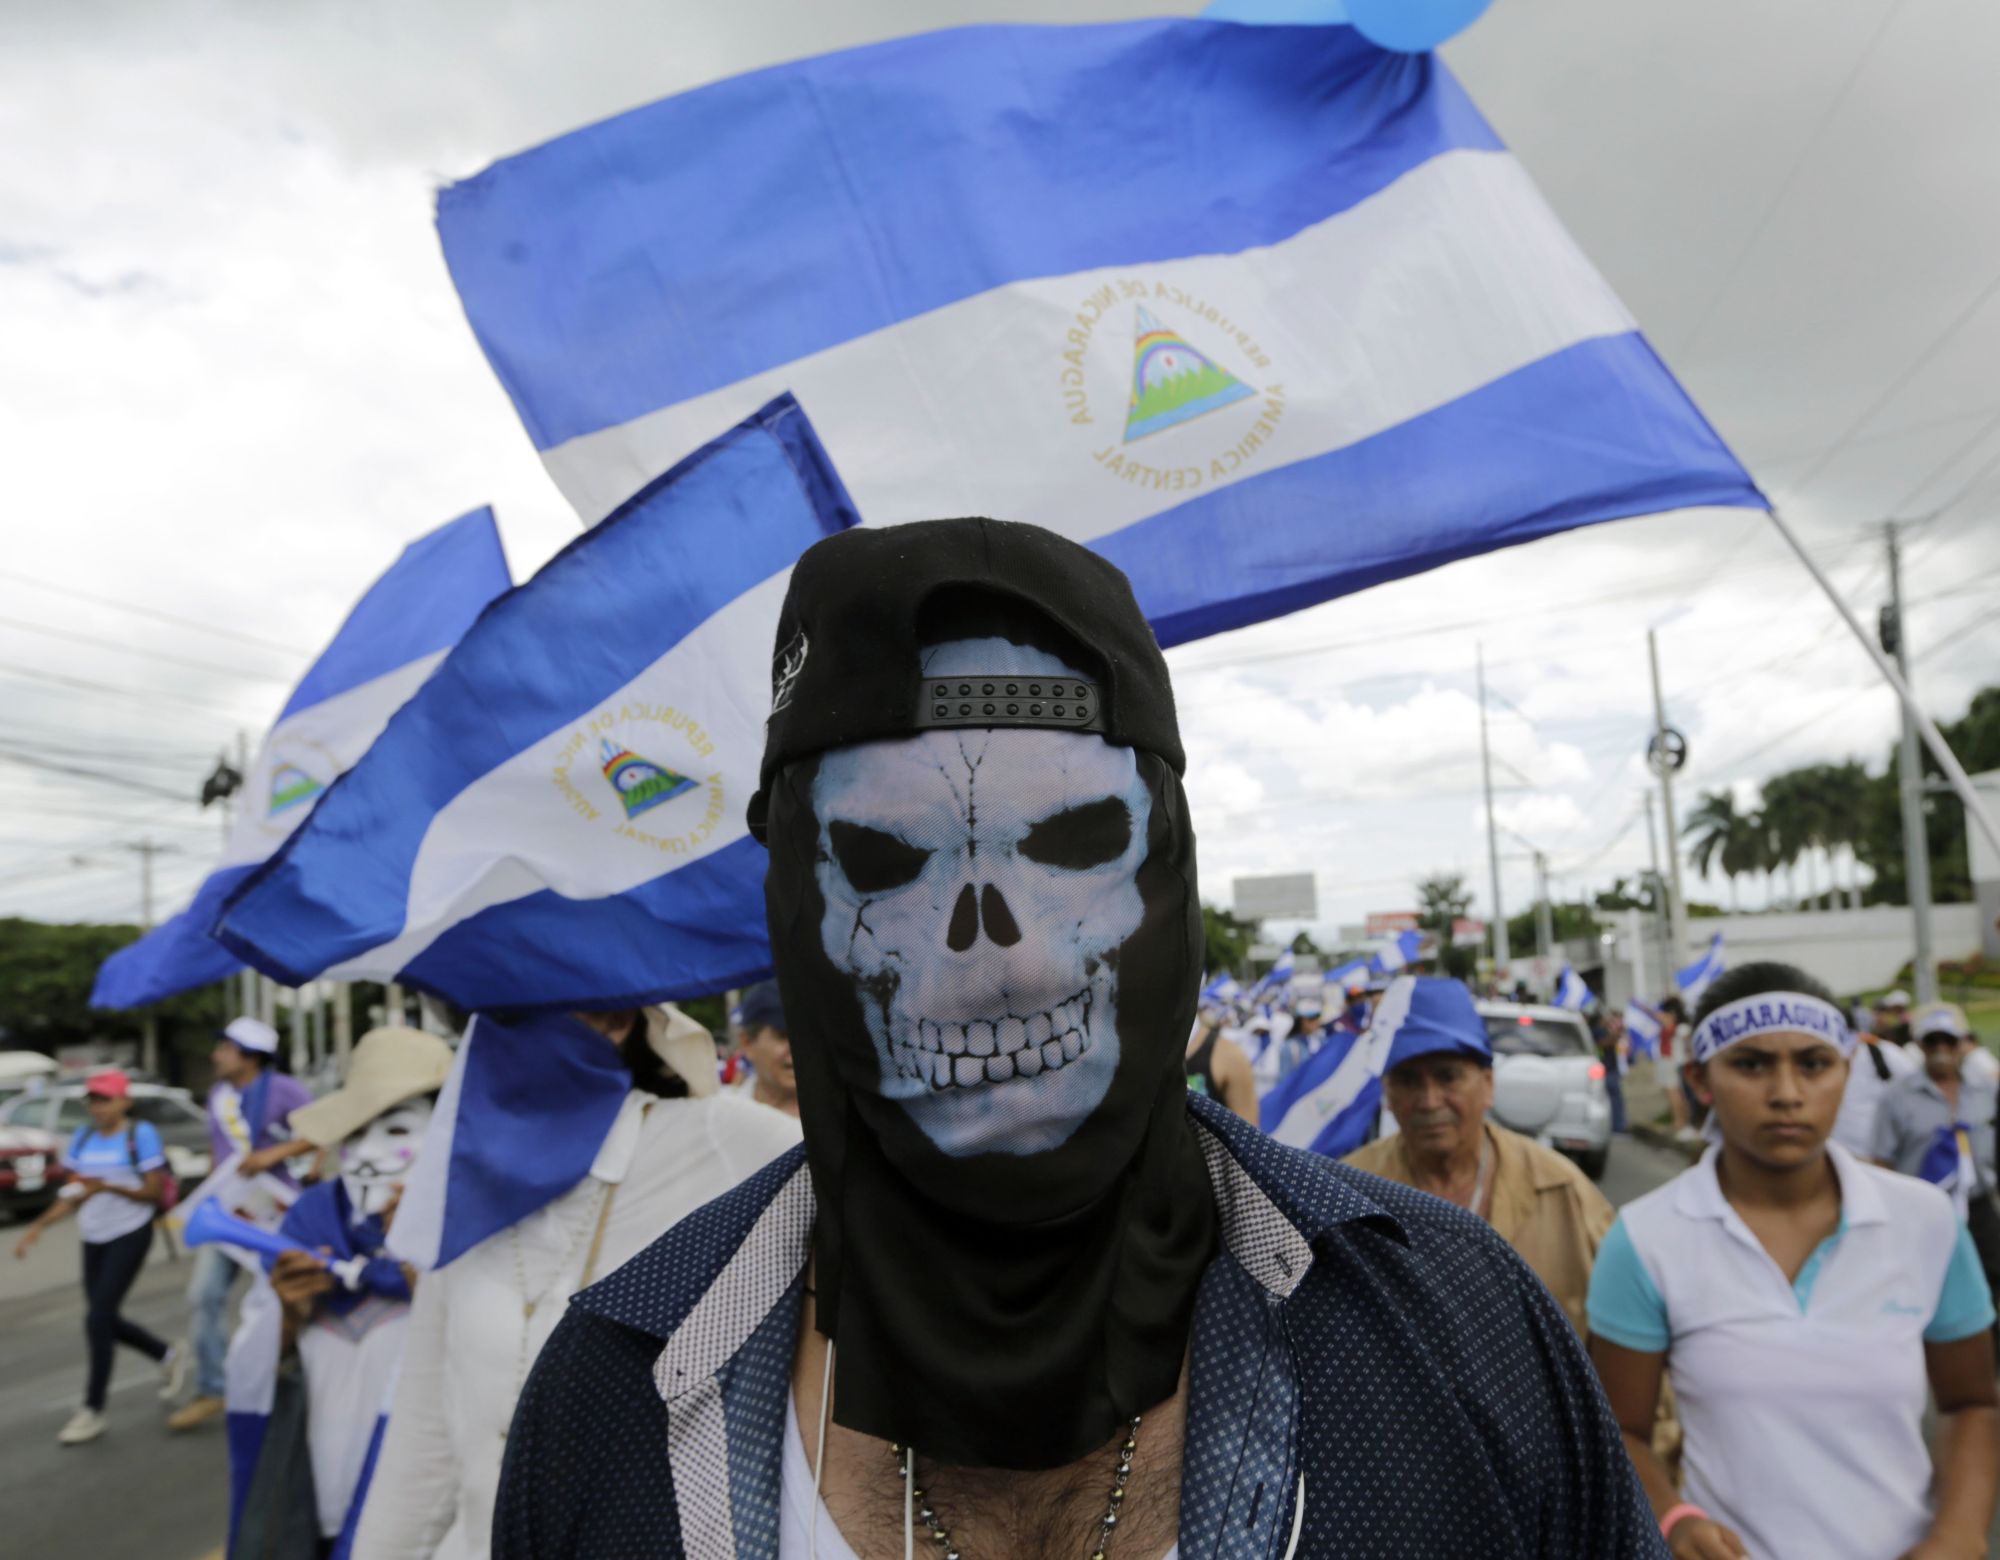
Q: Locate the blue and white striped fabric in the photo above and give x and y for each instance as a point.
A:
(1349, 977)
(1694, 979)
(557, 819)
(518, 1123)
(1335, 337)
(1329, 1102)
(1571, 992)
(391, 641)
(1396, 955)
(1643, 1026)
(1223, 991)
(1277, 979)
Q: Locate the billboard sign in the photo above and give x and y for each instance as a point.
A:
(1284, 896)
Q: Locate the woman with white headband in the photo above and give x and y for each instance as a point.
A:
(1803, 1301)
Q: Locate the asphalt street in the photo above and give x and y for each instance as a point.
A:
(138, 1492)
(142, 1494)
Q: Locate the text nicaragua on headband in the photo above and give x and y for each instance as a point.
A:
(1770, 1013)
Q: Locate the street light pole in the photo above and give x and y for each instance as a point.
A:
(1500, 949)
(1676, 904)
(149, 1033)
(1916, 838)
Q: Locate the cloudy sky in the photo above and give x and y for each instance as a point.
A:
(235, 380)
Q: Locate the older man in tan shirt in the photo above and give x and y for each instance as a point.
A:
(1438, 1084)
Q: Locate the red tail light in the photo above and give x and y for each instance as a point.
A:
(1596, 1072)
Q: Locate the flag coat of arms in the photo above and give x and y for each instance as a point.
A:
(557, 819)
(393, 639)
(1264, 314)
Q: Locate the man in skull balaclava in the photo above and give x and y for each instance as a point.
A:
(1019, 1294)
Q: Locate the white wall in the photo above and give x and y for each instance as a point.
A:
(1850, 950)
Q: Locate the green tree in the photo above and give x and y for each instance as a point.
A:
(46, 972)
(1226, 940)
(1303, 943)
(1975, 738)
(1724, 836)
(1443, 898)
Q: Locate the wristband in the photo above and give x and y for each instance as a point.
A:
(1676, 1513)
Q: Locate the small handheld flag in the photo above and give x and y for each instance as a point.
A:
(1643, 1026)
(1571, 992)
(1694, 979)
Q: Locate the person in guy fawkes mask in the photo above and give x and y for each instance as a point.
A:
(1019, 1294)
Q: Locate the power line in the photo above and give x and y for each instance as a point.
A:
(1666, 586)
(152, 612)
(123, 783)
(1791, 177)
(94, 642)
(145, 695)
(1896, 386)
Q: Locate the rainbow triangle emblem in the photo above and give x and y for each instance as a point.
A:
(640, 783)
(1172, 383)
(290, 785)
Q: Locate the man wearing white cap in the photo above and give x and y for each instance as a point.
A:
(1937, 1124)
(248, 1110)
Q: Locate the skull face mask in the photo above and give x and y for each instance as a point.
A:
(978, 886)
(375, 1161)
(987, 936)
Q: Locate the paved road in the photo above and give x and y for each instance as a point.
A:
(136, 1494)
(141, 1494)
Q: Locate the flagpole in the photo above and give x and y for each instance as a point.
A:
(1947, 760)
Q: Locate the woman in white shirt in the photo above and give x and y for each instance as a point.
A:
(478, 1321)
(1806, 1304)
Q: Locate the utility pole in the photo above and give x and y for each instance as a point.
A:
(1500, 949)
(149, 1036)
(1916, 839)
(343, 1025)
(1545, 934)
(1676, 904)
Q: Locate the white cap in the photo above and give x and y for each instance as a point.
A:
(1942, 1018)
(252, 1034)
(1898, 998)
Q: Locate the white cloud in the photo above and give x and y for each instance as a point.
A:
(237, 381)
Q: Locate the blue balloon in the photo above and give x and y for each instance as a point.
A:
(1412, 26)
(1277, 12)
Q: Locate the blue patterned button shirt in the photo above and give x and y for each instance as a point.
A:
(1374, 1373)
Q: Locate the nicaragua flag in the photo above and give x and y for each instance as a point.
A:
(1331, 1100)
(1694, 979)
(1277, 978)
(1397, 954)
(1349, 977)
(1265, 314)
(557, 819)
(519, 1122)
(1643, 1026)
(1571, 991)
(391, 641)
(1948, 1164)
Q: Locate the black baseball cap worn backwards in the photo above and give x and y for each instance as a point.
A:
(849, 644)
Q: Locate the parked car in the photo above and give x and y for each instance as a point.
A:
(1548, 1082)
(22, 1071)
(36, 1128)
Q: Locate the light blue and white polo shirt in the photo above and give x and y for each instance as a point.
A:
(121, 1159)
(1802, 1400)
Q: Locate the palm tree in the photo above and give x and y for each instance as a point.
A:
(1718, 830)
(1845, 799)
